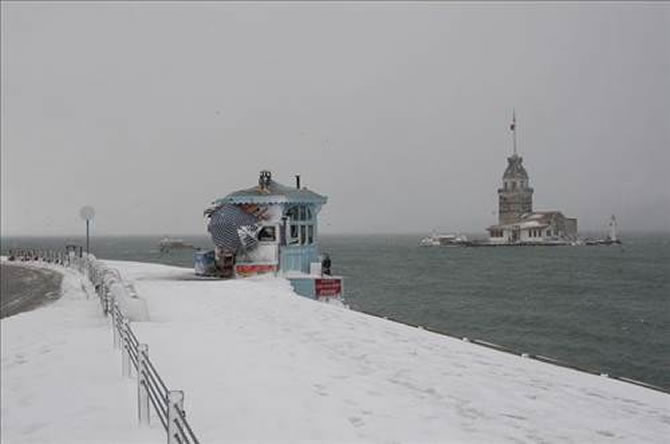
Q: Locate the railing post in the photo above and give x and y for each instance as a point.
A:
(142, 385)
(103, 303)
(175, 404)
(107, 303)
(125, 340)
(115, 326)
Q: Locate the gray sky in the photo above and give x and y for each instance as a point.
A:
(399, 113)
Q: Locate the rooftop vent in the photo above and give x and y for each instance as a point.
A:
(264, 179)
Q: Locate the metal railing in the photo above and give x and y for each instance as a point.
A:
(168, 405)
(151, 389)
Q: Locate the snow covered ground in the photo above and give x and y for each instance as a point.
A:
(258, 363)
(61, 377)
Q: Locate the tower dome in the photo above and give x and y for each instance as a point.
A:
(515, 169)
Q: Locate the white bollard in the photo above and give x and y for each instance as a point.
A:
(142, 385)
(175, 401)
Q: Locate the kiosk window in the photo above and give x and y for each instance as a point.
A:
(302, 230)
(267, 234)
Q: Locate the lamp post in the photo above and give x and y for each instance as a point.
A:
(87, 213)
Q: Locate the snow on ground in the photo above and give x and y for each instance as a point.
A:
(61, 377)
(258, 363)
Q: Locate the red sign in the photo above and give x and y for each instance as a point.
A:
(328, 287)
(249, 269)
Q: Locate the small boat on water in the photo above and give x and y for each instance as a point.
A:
(444, 240)
(167, 244)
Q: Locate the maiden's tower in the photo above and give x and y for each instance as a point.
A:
(517, 222)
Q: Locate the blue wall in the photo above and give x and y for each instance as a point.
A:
(298, 258)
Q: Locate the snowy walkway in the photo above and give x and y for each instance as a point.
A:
(258, 363)
(61, 376)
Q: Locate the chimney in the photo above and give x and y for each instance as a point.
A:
(264, 179)
(297, 181)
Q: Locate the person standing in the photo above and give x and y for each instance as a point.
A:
(325, 264)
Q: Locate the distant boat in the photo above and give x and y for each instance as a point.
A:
(444, 240)
(166, 244)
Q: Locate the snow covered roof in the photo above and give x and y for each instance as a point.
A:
(536, 219)
(519, 225)
(270, 192)
(532, 224)
(540, 214)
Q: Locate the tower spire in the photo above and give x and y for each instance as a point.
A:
(513, 128)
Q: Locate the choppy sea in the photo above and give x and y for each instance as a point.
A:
(605, 308)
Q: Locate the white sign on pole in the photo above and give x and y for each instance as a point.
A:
(87, 212)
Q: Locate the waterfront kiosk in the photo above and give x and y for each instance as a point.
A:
(270, 228)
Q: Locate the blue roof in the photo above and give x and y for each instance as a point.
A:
(273, 193)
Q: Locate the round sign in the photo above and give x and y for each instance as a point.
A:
(87, 212)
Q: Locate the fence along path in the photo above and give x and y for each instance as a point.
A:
(152, 390)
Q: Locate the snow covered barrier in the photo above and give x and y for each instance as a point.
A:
(134, 308)
(119, 300)
(111, 287)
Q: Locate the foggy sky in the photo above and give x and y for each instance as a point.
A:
(399, 113)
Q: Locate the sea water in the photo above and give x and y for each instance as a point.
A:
(606, 308)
